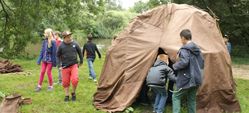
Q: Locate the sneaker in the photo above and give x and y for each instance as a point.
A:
(154, 110)
(50, 88)
(66, 99)
(94, 80)
(58, 83)
(90, 78)
(37, 89)
(73, 97)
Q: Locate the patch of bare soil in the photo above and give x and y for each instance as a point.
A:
(241, 71)
(8, 67)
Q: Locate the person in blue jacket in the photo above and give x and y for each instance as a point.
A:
(189, 66)
(228, 44)
(156, 80)
(47, 59)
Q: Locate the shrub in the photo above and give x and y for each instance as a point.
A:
(111, 22)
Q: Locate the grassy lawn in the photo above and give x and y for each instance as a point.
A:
(52, 102)
(240, 60)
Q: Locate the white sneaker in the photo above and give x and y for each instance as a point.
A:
(90, 78)
(58, 83)
(94, 80)
(50, 88)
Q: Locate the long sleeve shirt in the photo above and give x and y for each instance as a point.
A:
(90, 49)
(47, 54)
(68, 54)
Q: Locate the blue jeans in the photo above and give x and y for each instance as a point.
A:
(90, 67)
(160, 100)
(191, 100)
(58, 62)
(59, 76)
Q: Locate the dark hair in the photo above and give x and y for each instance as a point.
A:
(89, 36)
(57, 32)
(161, 51)
(114, 37)
(186, 33)
(226, 36)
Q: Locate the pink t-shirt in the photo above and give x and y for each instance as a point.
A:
(58, 42)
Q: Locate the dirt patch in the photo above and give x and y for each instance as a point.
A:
(241, 71)
(7, 67)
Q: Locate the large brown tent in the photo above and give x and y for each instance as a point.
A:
(134, 51)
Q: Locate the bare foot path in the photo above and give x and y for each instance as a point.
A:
(241, 71)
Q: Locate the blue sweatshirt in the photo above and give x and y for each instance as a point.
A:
(47, 54)
(190, 66)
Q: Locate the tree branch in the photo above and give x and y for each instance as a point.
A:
(6, 18)
(7, 6)
(5, 11)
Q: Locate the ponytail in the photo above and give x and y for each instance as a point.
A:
(48, 32)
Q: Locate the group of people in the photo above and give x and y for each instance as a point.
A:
(188, 67)
(64, 54)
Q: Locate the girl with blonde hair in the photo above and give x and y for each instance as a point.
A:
(47, 59)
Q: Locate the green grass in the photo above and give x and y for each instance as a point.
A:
(52, 102)
(240, 60)
(242, 94)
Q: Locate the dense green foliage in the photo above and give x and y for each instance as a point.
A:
(23, 21)
(111, 22)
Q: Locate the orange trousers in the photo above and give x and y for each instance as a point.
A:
(70, 74)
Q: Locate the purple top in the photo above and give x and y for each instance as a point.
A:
(47, 54)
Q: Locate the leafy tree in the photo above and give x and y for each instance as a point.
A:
(18, 25)
(139, 7)
(95, 6)
(111, 22)
(113, 5)
(23, 21)
(153, 3)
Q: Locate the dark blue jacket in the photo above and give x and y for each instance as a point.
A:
(158, 74)
(189, 67)
(48, 54)
(229, 47)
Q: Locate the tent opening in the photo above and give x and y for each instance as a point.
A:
(146, 96)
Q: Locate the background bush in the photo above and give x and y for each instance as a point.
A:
(23, 21)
